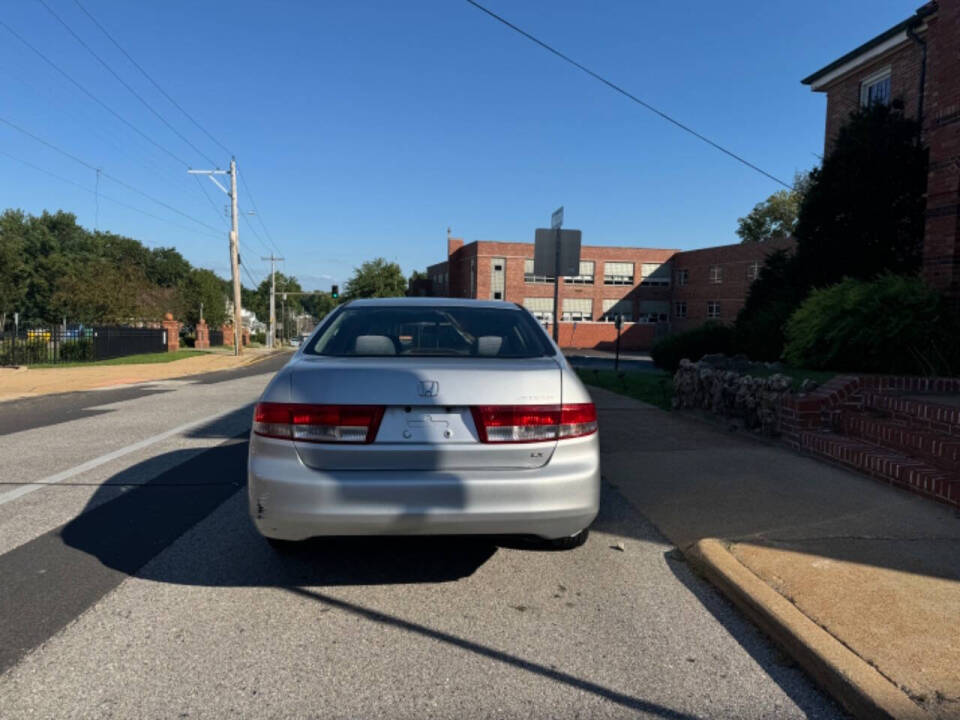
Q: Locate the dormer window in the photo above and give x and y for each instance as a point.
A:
(875, 89)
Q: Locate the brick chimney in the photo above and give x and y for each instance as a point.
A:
(453, 244)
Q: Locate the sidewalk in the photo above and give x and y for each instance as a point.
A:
(860, 582)
(26, 382)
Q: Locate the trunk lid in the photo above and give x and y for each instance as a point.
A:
(427, 423)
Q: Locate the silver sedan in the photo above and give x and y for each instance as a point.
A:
(425, 416)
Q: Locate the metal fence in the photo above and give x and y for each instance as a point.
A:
(216, 338)
(82, 344)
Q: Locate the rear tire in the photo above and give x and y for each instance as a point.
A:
(568, 543)
(283, 546)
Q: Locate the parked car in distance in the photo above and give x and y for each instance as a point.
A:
(425, 416)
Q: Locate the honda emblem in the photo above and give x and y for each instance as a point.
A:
(428, 388)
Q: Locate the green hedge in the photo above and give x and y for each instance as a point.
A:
(76, 350)
(893, 324)
(693, 344)
(24, 352)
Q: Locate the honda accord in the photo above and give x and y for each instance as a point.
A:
(425, 416)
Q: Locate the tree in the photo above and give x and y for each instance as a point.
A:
(375, 279)
(204, 286)
(319, 304)
(775, 217)
(13, 270)
(861, 215)
(166, 267)
(100, 293)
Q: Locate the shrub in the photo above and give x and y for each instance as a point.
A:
(24, 352)
(693, 344)
(893, 324)
(76, 350)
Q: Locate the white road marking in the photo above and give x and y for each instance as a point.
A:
(28, 488)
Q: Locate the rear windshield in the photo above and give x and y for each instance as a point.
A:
(432, 331)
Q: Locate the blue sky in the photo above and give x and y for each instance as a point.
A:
(366, 128)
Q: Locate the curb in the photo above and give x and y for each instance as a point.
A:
(854, 683)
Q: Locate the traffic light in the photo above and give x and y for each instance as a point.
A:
(335, 292)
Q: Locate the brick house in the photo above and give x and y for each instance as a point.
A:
(918, 63)
(657, 291)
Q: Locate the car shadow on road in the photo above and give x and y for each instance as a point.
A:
(129, 533)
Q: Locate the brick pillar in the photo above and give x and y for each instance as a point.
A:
(203, 336)
(941, 245)
(246, 336)
(228, 335)
(173, 332)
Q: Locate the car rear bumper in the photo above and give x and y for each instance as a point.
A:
(290, 501)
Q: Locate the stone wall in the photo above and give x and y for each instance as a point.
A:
(725, 387)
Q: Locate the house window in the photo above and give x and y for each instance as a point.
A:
(875, 89)
(655, 274)
(528, 275)
(683, 277)
(653, 311)
(753, 271)
(497, 278)
(716, 274)
(713, 309)
(586, 274)
(540, 308)
(577, 309)
(618, 273)
(612, 308)
(680, 309)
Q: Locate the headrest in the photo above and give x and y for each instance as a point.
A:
(489, 345)
(374, 345)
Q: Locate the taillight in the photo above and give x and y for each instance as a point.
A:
(318, 423)
(533, 423)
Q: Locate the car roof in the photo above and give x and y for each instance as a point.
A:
(433, 302)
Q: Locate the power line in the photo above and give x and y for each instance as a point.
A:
(105, 174)
(203, 189)
(148, 77)
(105, 197)
(253, 203)
(92, 96)
(631, 96)
(125, 84)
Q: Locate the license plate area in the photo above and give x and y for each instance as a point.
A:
(435, 425)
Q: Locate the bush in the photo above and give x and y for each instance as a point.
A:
(694, 344)
(259, 337)
(24, 352)
(893, 324)
(76, 350)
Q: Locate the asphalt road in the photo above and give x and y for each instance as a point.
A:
(132, 584)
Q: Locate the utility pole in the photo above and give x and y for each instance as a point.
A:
(234, 252)
(235, 262)
(273, 297)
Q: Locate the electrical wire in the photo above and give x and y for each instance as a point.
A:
(108, 176)
(127, 85)
(203, 189)
(256, 210)
(626, 93)
(105, 197)
(93, 97)
(148, 77)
